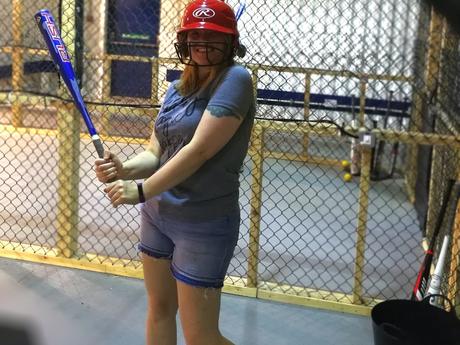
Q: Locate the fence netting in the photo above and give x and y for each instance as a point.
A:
(356, 136)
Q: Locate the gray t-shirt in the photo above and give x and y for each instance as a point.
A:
(213, 190)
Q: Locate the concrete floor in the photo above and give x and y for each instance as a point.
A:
(68, 306)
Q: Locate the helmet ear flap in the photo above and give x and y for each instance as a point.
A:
(239, 50)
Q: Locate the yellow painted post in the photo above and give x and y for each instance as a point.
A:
(454, 279)
(155, 72)
(256, 151)
(433, 190)
(68, 135)
(432, 78)
(17, 58)
(434, 51)
(411, 167)
(449, 52)
(106, 79)
(155, 84)
(306, 110)
(417, 102)
(255, 79)
(364, 183)
(450, 47)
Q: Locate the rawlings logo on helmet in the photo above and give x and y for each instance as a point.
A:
(203, 13)
(215, 15)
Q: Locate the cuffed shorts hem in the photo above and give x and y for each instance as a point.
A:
(198, 282)
(154, 253)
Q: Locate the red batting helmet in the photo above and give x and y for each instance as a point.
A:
(213, 15)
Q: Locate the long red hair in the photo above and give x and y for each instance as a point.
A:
(190, 82)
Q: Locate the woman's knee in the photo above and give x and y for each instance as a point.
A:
(160, 310)
(199, 313)
(162, 303)
(161, 289)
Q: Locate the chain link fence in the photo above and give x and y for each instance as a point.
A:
(328, 218)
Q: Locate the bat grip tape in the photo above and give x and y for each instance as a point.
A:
(99, 147)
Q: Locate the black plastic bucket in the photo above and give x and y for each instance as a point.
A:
(404, 322)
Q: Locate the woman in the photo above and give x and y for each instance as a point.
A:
(190, 218)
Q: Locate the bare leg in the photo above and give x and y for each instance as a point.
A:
(162, 301)
(199, 313)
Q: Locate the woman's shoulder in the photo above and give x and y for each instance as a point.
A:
(172, 89)
(171, 95)
(238, 70)
(238, 74)
(173, 85)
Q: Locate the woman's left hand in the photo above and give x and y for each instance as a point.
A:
(122, 192)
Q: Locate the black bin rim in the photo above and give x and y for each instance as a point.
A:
(407, 322)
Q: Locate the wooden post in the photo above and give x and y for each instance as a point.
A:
(454, 267)
(105, 117)
(257, 146)
(17, 58)
(418, 98)
(449, 53)
(155, 72)
(432, 78)
(411, 167)
(68, 135)
(364, 184)
(450, 50)
(155, 84)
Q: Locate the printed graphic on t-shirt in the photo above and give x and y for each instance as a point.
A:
(177, 123)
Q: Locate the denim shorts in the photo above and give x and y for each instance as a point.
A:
(200, 251)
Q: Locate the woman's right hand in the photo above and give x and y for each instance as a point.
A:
(108, 168)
